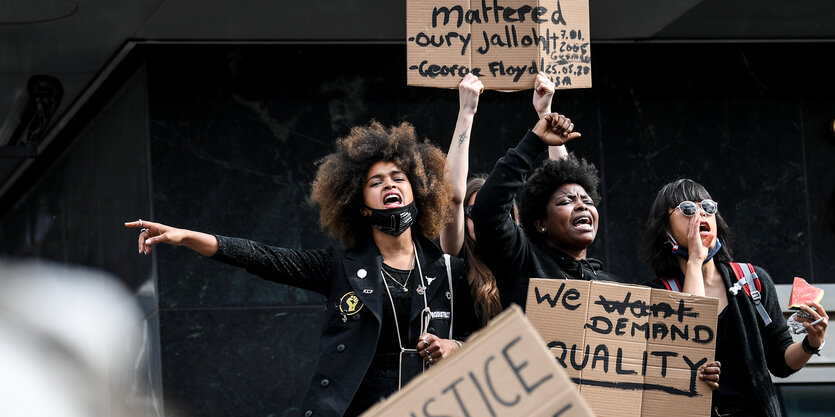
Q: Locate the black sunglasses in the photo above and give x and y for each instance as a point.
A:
(689, 208)
(468, 211)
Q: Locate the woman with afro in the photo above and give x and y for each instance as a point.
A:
(556, 210)
(395, 303)
(558, 218)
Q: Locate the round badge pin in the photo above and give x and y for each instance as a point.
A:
(350, 304)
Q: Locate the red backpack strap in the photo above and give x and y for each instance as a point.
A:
(737, 268)
(756, 278)
(745, 274)
(672, 284)
(740, 272)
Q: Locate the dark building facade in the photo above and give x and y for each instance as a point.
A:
(225, 139)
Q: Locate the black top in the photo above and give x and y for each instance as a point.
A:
(389, 346)
(747, 349)
(505, 248)
(735, 392)
(382, 377)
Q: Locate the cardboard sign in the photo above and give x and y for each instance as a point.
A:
(503, 370)
(632, 350)
(504, 42)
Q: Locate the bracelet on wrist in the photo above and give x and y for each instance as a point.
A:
(808, 348)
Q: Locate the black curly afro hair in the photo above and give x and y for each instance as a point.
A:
(537, 191)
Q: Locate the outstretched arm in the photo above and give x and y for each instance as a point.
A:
(308, 269)
(543, 94)
(153, 233)
(452, 236)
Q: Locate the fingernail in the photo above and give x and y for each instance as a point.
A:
(147, 241)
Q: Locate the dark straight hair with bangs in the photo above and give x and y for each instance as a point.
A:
(656, 249)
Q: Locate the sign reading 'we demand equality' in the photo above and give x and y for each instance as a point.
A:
(504, 42)
(632, 350)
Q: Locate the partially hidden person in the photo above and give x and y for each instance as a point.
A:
(458, 237)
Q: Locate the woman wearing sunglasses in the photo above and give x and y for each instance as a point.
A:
(688, 243)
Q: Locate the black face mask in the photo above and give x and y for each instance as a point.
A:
(394, 221)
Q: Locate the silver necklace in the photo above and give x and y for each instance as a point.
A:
(401, 285)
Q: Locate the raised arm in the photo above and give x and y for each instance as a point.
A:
(555, 129)
(452, 236)
(502, 242)
(543, 94)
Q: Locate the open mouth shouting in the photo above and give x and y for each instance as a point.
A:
(706, 234)
(583, 222)
(392, 199)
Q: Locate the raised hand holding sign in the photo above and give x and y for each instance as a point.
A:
(505, 43)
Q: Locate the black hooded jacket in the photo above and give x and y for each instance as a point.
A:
(507, 251)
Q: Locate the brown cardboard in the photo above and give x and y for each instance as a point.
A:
(505, 42)
(632, 350)
(503, 370)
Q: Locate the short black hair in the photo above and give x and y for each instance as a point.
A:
(540, 187)
(655, 247)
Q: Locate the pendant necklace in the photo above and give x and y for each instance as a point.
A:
(403, 285)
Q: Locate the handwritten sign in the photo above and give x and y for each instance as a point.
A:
(503, 370)
(504, 42)
(632, 350)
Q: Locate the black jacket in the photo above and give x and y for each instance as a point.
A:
(504, 247)
(351, 328)
(763, 348)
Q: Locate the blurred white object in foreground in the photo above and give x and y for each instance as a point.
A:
(68, 337)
